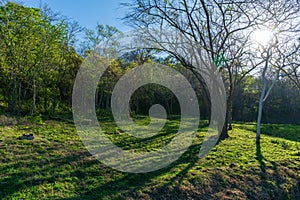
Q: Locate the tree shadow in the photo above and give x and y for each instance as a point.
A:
(82, 166)
(115, 184)
(27, 177)
(261, 161)
(129, 184)
(269, 174)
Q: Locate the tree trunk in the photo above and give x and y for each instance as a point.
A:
(259, 115)
(171, 105)
(33, 97)
(100, 100)
(107, 104)
(229, 111)
(137, 110)
(45, 104)
(54, 103)
(224, 133)
(262, 95)
(14, 96)
(230, 120)
(19, 99)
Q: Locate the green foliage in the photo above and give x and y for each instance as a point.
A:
(37, 62)
(36, 119)
(99, 35)
(38, 65)
(281, 107)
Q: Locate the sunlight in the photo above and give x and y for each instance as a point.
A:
(262, 36)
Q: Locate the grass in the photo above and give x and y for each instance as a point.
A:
(56, 165)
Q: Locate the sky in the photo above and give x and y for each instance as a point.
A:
(87, 12)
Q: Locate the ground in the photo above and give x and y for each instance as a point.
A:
(56, 165)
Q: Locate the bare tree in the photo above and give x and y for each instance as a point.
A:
(291, 64)
(221, 28)
(279, 52)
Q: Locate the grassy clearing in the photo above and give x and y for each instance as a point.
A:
(55, 165)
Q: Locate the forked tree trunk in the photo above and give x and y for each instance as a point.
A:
(264, 93)
(262, 96)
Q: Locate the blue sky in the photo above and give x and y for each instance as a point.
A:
(87, 12)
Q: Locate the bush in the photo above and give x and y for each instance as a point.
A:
(5, 120)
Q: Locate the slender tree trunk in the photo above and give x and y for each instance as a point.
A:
(230, 119)
(97, 98)
(137, 110)
(19, 99)
(167, 103)
(14, 96)
(45, 104)
(262, 95)
(54, 103)
(171, 106)
(100, 99)
(229, 110)
(260, 107)
(33, 96)
(107, 101)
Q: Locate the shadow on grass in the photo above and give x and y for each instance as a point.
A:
(270, 179)
(268, 182)
(77, 166)
(93, 180)
(261, 161)
(23, 171)
(128, 186)
(30, 172)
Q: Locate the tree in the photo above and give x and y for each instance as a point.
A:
(23, 32)
(265, 92)
(37, 56)
(102, 35)
(245, 99)
(282, 20)
(291, 66)
(95, 37)
(181, 27)
(67, 60)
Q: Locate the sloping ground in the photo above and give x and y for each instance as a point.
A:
(55, 165)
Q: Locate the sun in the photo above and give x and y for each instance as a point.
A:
(262, 36)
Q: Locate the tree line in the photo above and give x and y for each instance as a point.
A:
(40, 55)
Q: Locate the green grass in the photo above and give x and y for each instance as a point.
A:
(56, 165)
